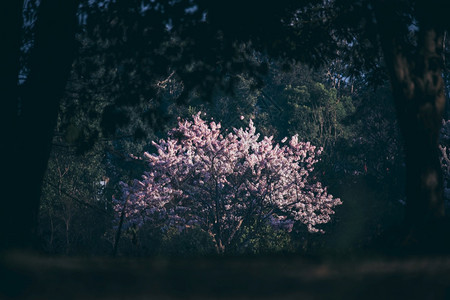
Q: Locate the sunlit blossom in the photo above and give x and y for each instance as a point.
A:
(214, 181)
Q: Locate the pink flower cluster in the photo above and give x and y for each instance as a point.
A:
(219, 181)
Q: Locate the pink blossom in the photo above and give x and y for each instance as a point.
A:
(215, 181)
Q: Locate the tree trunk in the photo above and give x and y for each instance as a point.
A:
(119, 228)
(424, 181)
(11, 24)
(67, 222)
(30, 144)
(418, 90)
(10, 31)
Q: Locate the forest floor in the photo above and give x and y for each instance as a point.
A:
(31, 276)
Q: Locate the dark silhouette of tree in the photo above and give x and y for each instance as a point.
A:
(28, 117)
(415, 69)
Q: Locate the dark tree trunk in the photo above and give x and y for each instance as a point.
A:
(11, 25)
(31, 138)
(10, 28)
(418, 89)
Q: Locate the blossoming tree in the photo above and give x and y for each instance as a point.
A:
(220, 182)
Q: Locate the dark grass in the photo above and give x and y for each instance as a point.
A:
(31, 276)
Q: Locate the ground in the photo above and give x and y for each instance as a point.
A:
(31, 276)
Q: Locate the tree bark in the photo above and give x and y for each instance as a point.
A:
(10, 29)
(36, 115)
(11, 24)
(418, 88)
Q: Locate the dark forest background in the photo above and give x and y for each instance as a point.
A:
(96, 81)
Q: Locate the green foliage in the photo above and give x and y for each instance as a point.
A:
(379, 145)
(75, 212)
(317, 114)
(224, 107)
(189, 242)
(263, 239)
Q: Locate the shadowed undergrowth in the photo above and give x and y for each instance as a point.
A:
(29, 276)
